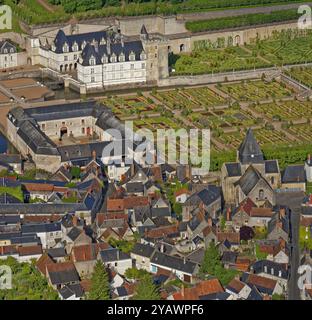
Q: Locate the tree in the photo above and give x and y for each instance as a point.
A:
(211, 260)
(99, 283)
(146, 289)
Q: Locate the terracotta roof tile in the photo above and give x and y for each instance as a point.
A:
(161, 232)
(29, 250)
(115, 205)
(233, 237)
(237, 285)
(135, 201)
(58, 267)
(41, 187)
(203, 288)
(87, 252)
(261, 212)
(42, 263)
(261, 281)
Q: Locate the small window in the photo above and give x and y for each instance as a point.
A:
(82, 121)
(92, 71)
(83, 130)
(92, 79)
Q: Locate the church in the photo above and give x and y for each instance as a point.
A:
(250, 176)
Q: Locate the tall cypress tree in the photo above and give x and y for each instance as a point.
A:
(99, 283)
(146, 290)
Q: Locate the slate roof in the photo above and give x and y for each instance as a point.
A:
(174, 263)
(7, 44)
(249, 180)
(135, 187)
(160, 212)
(112, 254)
(207, 195)
(70, 290)
(143, 250)
(56, 253)
(62, 273)
(271, 166)
(266, 266)
(98, 52)
(61, 38)
(294, 174)
(74, 233)
(249, 150)
(233, 169)
(40, 227)
(40, 208)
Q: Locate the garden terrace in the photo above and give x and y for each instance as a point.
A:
(206, 60)
(256, 90)
(191, 98)
(302, 131)
(222, 119)
(301, 74)
(288, 47)
(128, 106)
(285, 110)
(271, 137)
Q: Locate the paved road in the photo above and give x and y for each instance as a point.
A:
(237, 12)
(293, 200)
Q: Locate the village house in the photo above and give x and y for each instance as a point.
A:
(116, 259)
(141, 255)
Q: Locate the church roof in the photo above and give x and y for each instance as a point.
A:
(249, 151)
(249, 179)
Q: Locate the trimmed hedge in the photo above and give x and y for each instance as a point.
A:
(242, 21)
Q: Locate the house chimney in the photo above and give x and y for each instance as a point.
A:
(162, 248)
(228, 214)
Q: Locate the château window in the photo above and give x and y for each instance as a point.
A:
(65, 47)
(102, 41)
(122, 58)
(92, 62)
(131, 56)
(92, 79)
(143, 56)
(5, 50)
(132, 66)
(104, 59)
(65, 58)
(113, 58)
(75, 46)
(143, 65)
(12, 50)
(92, 71)
(75, 57)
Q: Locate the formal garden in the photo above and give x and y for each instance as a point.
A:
(250, 90)
(285, 110)
(302, 74)
(191, 98)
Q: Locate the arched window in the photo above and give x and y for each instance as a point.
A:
(113, 58)
(92, 61)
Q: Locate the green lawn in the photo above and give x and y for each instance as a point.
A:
(305, 238)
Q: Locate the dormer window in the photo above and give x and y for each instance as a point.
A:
(113, 58)
(143, 55)
(104, 59)
(65, 47)
(5, 50)
(131, 56)
(92, 61)
(83, 45)
(122, 57)
(12, 50)
(103, 41)
(75, 46)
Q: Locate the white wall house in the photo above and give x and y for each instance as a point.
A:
(8, 54)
